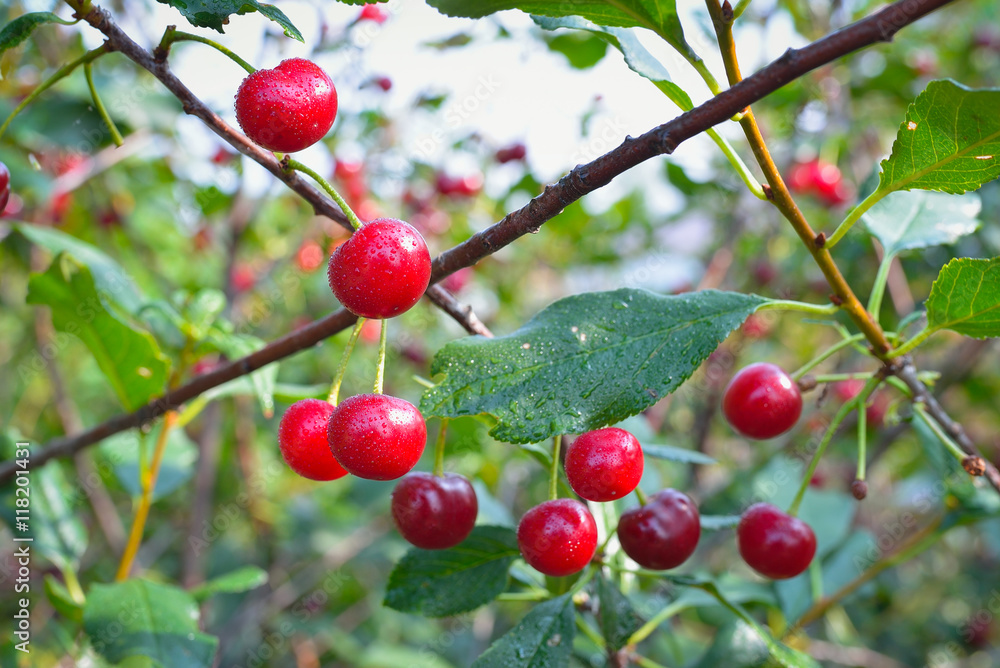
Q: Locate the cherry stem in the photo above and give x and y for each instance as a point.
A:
(342, 369)
(148, 482)
(826, 354)
(878, 289)
(836, 377)
(803, 307)
(740, 7)
(439, 449)
(862, 445)
(951, 446)
(844, 411)
(59, 74)
(853, 217)
(171, 35)
(116, 136)
(641, 495)
(554, 469)
(380, 369)
(912, 342)
(330, 190)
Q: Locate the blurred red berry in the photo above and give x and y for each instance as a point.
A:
(510, 153)
(385, 83)
(465, 186)
(309, 257)
(374, 13)
(243, 277)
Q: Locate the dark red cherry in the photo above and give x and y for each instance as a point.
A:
(774, 543)
(434, 512)
(663, 533)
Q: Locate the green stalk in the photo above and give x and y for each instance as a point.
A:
(330, 190)
(932, 424)
(826, 354)
(554, 468)
(913, 342)
(740, 7)
(741, 168)
(380, 369)
(439, 449)
(862, 447)
(116, 136)
(173, 35)
(802, 307)
(56, 76)
(853, 217)
(338, 379)
(878, 289)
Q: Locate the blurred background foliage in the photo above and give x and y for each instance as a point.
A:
(208, 252)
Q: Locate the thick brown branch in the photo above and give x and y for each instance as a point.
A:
(580, 181)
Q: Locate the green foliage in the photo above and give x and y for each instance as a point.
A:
(909, 220)
(62, 600)
(617, 617)
(234, 582)
(441, 583)
(950, 141)
(965, 298)
(18, 30)
(584, 362)
(139, 618)
(737, 644)
(543, 639)
(124, 452)
(215, 13)
(129, 357)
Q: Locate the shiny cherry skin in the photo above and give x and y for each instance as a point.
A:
(302, 439)
(288, 108)
(663, 533)
(558, 537)
(434, 512)
(4, 186)
(382, 270)
(604, 465)
(774, 543)
(761, 401)
(377, 437)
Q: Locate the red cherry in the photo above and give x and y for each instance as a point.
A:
(377, 437)
(346, 171)
(288, 108)
(761, 401)
(385, 83)
(4, 186)
(434, 512)
(465, 186)
(803, 176)
(382, 270)
(773, 543)
(374, 13)
(302, 438)
(243, 277)
(845, 390)
(604, 465)
(663, 533)
(309, 257)
(457, 281)
(510, 153)
(558, 537)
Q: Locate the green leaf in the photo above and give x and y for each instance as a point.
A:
(674, 454)
(18, 30)
(235, 346)
(138, 618)
(582, 51)
(736, 645)
(617, 617)
(117, 289)
(234, 582)
(950, 141)
(965, 298)
(584, 362)
(918, 219)
(176, 468)
(130, 358)
(543, 639)
(637, 57)
(660, 16)
(61, 599)
(441, 583)
(215, 13)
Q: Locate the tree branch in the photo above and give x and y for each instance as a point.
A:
(583, 179)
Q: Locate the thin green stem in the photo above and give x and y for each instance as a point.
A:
(932, 424)
(878, 289)
(73, 586)
(737, 162)
(853, 217)
(380, 369)
(699, 65)
(803, 307)
(330, 190)
(439, 449)
(826, 354)
(816, 579)
(641, 495)
(56, 76)
(643, 662)
(837, 377)
(663, 615)
(862, 447)
(844, 411)
(590, 632)
(116, 136)
(338, 379)
(913, 341)
(554, 468)
(740, 7)
(172, 35)
(540, 595)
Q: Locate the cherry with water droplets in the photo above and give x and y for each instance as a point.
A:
(558, 537)
(377, 437)
(761, 401)
(604, 465)
(303, 442)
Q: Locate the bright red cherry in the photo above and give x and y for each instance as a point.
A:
(773, 543)
(302, 438)
(382, 270)
(288, 108)
(663, 533)
(4, 186)
(761, 401)
(558, 537)
(604, 465)
(376, 436)
(434, 512)
(371, 12)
